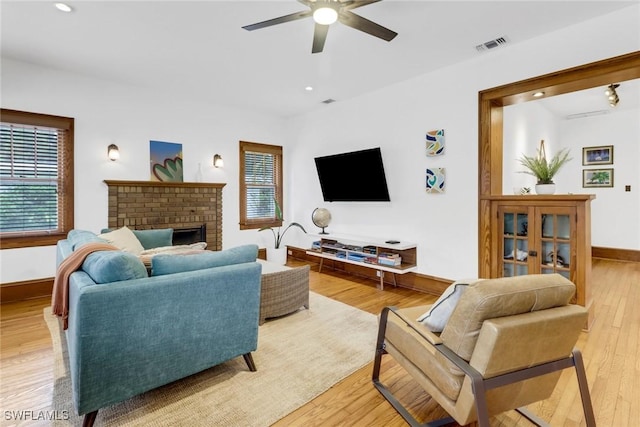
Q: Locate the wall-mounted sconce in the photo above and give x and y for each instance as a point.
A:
(217, 161)
(113, 152)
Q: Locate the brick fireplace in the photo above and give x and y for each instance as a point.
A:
(179, 205)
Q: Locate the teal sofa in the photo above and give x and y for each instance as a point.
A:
(130, 331)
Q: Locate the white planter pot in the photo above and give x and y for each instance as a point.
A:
(545, 188)
(277, 256)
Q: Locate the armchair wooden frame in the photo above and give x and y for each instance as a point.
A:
(479, 384)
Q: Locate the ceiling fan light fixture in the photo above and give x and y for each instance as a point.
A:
(325, 15)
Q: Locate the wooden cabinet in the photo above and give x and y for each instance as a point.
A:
(367, 252)
(544, 235)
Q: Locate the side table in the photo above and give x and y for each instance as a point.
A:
(284, 290)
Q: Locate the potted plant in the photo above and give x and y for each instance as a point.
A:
(278, 254)
(544, 170)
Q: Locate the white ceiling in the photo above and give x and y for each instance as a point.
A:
(199, 47)
(593, 102)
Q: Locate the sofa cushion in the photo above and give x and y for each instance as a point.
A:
(123, 238)
(438, 315)
(113, 266)
(492, 298)
(78, 238)
(169, 264)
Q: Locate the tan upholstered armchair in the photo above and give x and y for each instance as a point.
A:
(502, 348)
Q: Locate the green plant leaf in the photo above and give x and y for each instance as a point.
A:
(539, 167)
(279, 216)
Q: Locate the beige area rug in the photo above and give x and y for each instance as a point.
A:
(299, 357)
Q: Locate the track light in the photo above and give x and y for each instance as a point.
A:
(612, 95)
(113, 152)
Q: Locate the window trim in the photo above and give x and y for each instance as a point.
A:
(39, 238)
(276, 150)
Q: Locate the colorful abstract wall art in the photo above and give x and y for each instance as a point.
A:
(435, 143)
(166, 161)
(435, 180)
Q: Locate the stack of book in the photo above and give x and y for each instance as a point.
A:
(388, 258)
(370, 250)
(356, 257)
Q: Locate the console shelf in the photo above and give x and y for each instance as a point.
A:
(366, 252)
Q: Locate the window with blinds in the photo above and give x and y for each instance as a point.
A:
(260, 184)
(35, 185)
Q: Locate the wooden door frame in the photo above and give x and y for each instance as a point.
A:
(490, 117)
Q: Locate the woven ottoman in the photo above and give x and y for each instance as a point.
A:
(284, 290)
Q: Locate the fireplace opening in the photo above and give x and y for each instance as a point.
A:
(188, 235)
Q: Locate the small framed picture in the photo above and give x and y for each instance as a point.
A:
(597, 178)
(602, 155)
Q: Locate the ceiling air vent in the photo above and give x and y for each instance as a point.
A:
(491, 44)
(587, 114)
(329, 101)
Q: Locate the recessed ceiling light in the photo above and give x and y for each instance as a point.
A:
(308, 88)
(538, 94)
(63, 7)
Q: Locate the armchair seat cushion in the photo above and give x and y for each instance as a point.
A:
(405, 341)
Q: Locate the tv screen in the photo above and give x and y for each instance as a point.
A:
(357, 176)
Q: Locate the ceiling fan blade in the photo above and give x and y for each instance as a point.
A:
(319, 37)
(359, 23)
(352, 4)
(280, 20)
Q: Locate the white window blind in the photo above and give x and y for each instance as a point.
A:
(260, 185)
(30, 178)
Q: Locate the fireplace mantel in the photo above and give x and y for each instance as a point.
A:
(164, 184)
(153, 204)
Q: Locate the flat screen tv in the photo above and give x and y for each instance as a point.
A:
(357, 176)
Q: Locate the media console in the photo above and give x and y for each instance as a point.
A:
(385, 257)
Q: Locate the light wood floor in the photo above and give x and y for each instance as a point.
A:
(610, 351)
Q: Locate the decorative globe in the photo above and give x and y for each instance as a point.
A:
(321, 217)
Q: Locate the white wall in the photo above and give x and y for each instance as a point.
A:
(396, 118)
(525, 124)
(130, 117)
(614, 213)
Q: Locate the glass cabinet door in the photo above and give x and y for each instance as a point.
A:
(514, 241)
(556, 254)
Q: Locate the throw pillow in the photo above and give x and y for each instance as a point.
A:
(169, 264)
(437, 317)
(123, 238)
(154, 238)
(113, 266)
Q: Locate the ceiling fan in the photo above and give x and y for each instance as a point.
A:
(325, 13)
